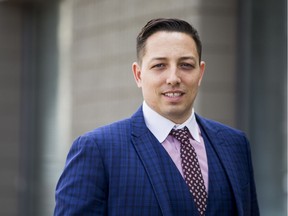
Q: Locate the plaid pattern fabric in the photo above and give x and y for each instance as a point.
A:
(232, 153)
(121, 169)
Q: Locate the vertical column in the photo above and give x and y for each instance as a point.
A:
(10, 88)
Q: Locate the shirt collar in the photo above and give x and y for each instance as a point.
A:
(160, 127)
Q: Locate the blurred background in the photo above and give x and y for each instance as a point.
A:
(65, 68)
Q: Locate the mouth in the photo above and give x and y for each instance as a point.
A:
(173, 94)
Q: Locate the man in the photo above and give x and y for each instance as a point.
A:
(140, 166)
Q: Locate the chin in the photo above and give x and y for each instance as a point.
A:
(175, 116)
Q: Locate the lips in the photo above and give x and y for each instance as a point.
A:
(173, 94)
(170, 94)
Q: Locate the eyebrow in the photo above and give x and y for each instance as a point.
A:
(188, 58)
(181, 58)
(158, 58)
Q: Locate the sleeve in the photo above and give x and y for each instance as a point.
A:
(82, 187)
(254, 203)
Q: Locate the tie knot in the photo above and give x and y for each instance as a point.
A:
(180, 134)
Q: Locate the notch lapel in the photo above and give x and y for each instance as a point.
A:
(144, 143)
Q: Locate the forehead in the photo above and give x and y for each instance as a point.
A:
(162, 35)
(169, 43)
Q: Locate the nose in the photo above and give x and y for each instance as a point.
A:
(173, 77)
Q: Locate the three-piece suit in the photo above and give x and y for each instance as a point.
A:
(122, 169)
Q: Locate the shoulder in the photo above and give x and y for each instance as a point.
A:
(101, 144)
(108, 132)
(114, 135)
(117, 128)
(213, 123)
(218, 127)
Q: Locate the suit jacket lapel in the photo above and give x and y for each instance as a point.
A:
(144, 144)
(226, 156)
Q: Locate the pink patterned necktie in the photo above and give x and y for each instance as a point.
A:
(191, 169)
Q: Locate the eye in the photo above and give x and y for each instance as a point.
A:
(187, 66)
(159, 66)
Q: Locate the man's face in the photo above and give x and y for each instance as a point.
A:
(170, 74)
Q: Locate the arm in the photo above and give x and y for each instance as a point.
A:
(82, 187)
(254, 202)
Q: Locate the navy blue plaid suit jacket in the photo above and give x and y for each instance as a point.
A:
(121, 169)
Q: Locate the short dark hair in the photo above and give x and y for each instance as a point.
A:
(168, 25)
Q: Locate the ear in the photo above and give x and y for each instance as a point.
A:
(202, 69)
(137, 74)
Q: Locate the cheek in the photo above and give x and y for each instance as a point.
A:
(150, 82)
(150, 87)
